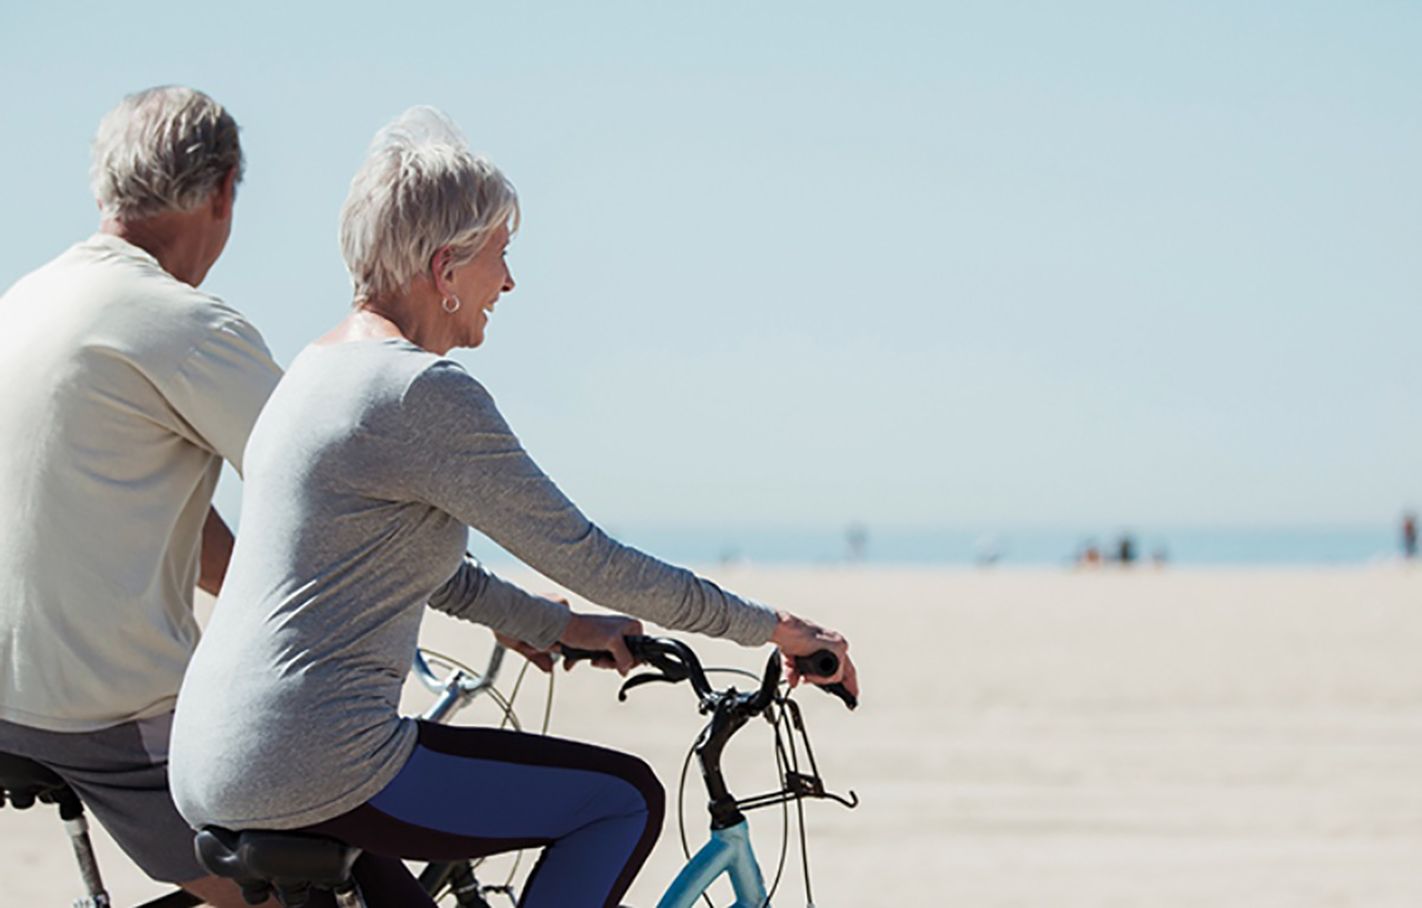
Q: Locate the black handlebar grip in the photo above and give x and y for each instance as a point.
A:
(824, 664)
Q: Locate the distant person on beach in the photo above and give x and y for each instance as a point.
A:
(1409, 535)
(1126, 550)
(1089, 555)
(123, 388)
(856, 539)
(374, 457)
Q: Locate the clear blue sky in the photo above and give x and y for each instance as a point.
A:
(806, 262)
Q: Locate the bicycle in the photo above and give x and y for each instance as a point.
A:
(290, 865)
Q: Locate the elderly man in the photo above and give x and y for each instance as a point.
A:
(122, 390)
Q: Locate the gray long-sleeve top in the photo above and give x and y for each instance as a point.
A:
(363, 473)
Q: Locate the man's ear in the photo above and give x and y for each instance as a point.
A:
(225, 195)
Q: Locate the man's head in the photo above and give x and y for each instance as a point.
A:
(162, 149)
(166, 163)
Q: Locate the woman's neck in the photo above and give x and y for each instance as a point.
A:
(375, 321)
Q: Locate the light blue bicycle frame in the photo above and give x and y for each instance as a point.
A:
(729, 852)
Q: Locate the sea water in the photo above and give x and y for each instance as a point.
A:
(999, 545)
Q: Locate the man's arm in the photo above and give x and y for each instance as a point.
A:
(220, 388)
(216, 552)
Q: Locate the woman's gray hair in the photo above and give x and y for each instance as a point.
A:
(162, 149)
(420, 189)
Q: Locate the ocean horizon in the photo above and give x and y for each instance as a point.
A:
(1003, 546)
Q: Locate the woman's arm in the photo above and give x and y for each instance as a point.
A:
(475, 469)
(482, 475)
(477, 594)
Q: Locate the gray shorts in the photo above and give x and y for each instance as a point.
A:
(121, 775)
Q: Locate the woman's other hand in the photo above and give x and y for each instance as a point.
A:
(797, 637)
(603, 632)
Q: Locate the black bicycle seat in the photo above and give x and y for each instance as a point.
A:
(291, 863)
(25, 781)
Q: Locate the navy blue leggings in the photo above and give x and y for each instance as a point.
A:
(470, 792)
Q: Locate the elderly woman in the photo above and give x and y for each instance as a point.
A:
(371, 460)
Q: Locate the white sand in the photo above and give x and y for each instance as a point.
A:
(1176, 738)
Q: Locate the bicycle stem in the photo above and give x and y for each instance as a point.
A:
(729, 718)
(457, 690)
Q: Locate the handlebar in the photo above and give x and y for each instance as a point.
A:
(678, 662)
(730, 710)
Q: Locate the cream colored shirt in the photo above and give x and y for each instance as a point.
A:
(122, 390)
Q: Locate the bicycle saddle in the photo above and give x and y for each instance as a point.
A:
(25, 781)
(291, 863)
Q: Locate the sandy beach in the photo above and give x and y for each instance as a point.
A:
(1034, 738)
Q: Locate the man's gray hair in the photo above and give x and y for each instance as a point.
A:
(162, 149)
(420, 189)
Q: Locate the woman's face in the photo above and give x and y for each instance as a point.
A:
(478, 283)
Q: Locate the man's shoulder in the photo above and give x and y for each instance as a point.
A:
(157, 297)
(154, 314)
(111, 288)
(95, 307)
(41, 279)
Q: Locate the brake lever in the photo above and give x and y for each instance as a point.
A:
(840, 691)
(639, 680)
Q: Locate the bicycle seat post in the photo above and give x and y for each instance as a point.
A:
(23, 782)
(78, 829)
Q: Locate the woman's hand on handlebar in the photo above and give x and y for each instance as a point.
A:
(603, 632)
(797, 637)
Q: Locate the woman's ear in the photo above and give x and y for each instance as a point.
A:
(441, 273)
